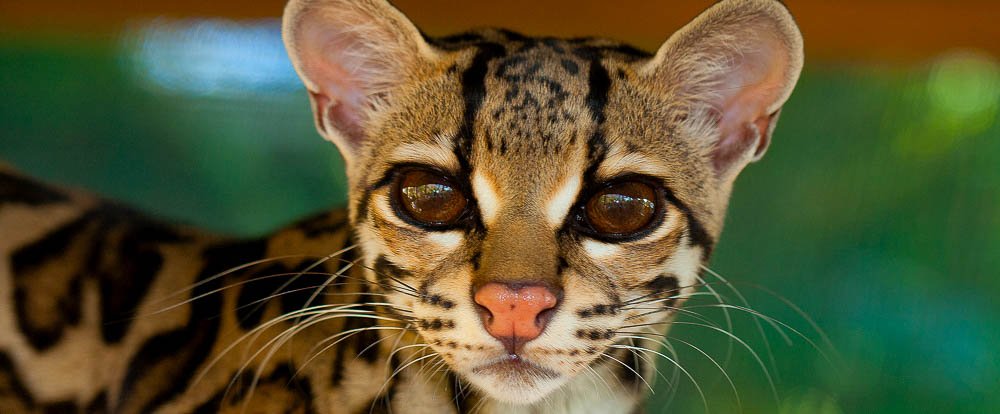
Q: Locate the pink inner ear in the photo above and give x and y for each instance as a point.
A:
(747, 95)
(343, 117)
(341, 68)
(337, 68)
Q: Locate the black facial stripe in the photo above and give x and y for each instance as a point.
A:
(597, 100)
(386, 272)
(696, 231)
(561, 265)
(476, 260)
(366, 195)
(600, 85)
(473, 82)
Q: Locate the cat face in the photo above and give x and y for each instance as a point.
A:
(529, 203)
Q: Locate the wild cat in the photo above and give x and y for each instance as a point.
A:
(526, 216)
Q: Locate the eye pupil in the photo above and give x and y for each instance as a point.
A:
(430, 198)
(621, 209)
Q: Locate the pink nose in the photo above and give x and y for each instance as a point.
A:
(515, 314)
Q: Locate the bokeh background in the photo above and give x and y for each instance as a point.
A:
(876, 211)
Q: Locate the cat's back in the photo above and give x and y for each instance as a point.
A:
(74, 270)
(30, 209)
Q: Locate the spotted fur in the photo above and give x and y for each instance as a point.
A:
(360, 310)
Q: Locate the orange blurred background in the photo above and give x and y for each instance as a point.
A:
(869, 30)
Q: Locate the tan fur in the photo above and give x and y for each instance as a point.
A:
(527, 125)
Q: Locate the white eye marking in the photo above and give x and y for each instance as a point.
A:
(618, 163)
(600, 250)
(446, 240)
(558, 205)
(685, 261)
(437, 155)
(665, 228)
(685, 264)
(486, 196)
(385, 212)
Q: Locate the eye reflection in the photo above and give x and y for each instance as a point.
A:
(429, 199)
(421, 197)
(621, 204)
(622, 209)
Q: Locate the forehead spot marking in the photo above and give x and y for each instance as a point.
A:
(558, 205)
(486, 195)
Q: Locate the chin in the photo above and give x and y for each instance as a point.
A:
(515, 380)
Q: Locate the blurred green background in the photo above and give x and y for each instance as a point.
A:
(876, 211)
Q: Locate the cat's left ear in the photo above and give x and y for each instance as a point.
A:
(352, 56)
(733, 67)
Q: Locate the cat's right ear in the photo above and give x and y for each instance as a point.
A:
(733, 67)
(352, 55)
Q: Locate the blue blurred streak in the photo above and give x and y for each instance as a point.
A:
(210, 57)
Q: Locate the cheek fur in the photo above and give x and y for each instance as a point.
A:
(414, 248)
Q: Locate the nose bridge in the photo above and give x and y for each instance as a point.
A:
(519, 249)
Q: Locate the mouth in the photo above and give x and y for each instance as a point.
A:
(513, 367)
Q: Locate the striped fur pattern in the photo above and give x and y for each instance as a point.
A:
(358, 310)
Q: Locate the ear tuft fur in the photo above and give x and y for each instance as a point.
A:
(351, 55)
(737, 63)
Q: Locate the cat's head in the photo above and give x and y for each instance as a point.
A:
(533, 200)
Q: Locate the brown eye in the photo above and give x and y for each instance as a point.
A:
(430, 198)
(622, 209)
